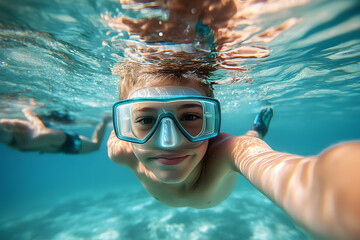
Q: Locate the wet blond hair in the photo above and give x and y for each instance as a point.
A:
(134, 75)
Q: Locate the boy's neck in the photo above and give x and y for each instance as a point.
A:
(190, 183)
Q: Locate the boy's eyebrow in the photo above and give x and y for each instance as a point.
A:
(143, 109)
(190, 105)
(183, 106)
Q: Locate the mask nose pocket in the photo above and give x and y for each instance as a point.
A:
(167, 136)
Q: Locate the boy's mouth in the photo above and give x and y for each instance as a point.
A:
(171, 159)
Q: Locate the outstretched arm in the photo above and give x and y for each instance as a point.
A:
(321, 193)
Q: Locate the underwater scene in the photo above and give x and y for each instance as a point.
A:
(57, 58)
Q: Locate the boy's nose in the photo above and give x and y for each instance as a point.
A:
(167, 136)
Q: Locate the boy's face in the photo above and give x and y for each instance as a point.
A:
(175, 164)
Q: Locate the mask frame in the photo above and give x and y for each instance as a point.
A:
(208, 115)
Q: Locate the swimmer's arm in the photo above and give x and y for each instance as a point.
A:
(321, 193)
(121, 152)
(33, 119)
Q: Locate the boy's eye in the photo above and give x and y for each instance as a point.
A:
(189, 117)
(146, 120)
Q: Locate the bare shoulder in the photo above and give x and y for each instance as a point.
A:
(344, 149)
(237, 144)
(232, 149)
(336, 160)
(121, 152)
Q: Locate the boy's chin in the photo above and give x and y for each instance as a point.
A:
(166, 181)
(170, 178)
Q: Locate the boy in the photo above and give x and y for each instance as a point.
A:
(170, 123)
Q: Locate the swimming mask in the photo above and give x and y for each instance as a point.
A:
(166, 114)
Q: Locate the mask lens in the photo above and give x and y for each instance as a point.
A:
(190, 116)
(143, 118)
(123, 120)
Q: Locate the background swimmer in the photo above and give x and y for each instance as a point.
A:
(33, 135)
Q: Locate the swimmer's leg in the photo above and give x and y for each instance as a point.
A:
(261, 124)
(88, 145)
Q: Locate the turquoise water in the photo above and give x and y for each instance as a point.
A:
(59, 53)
